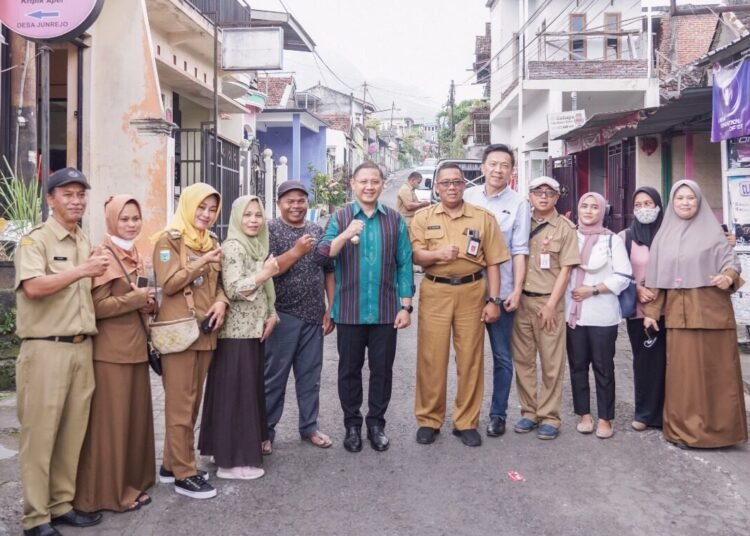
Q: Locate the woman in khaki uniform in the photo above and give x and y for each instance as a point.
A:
(187, 256)
(117, 460)
(693, 268)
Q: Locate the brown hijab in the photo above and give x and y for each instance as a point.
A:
(686, 253)
(130, 259)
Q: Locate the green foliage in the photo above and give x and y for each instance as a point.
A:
(21, 200)
(7, 322)
(327, 190)
(451, 144)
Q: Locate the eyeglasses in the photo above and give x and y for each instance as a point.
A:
(543, 193)
(447, 184)
(371, 182)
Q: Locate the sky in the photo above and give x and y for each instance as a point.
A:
(408, 51)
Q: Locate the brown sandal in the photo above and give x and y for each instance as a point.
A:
(266, 447)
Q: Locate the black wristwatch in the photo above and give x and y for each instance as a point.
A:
(408, 308)
(596, 290)
(497, 301)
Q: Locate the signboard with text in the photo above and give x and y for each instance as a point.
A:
(561, 122)
(731, 102)
(49, 20)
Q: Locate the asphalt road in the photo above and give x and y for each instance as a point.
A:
(632, 484)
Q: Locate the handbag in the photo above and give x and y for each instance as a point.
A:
(172, 336)
(154, 358)
(627, 297)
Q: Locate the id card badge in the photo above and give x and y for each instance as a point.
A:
(472, 249)
(544, 263)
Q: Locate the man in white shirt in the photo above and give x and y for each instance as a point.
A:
(512, 212)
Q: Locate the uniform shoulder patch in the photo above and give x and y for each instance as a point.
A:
(175, 234)
(213, 235)
(566, 220)
(26, 241)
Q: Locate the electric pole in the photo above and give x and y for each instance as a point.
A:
(364, 121)
(452, 104)
(393, 108)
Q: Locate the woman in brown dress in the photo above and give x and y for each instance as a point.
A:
(187, 265)
(693, 268)
(117, 460)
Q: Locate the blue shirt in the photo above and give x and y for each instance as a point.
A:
(512, 212)
(372, 276)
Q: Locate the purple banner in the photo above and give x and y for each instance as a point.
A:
(731, 102)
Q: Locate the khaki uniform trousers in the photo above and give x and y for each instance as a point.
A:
(55, 384)
(528, 338)
(442, 309)
(184, 374)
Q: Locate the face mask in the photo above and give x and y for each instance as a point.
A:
(646, 215)
(127, 245)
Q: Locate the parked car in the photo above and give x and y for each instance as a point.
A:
(424, 190)
(472, 173)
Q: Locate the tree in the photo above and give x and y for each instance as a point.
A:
(451, 143)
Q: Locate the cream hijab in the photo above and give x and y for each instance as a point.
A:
(686, 253)
(256, 247)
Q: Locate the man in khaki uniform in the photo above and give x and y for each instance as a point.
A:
(540, 320)
(456, 243)
(407, 203)
(54, 370)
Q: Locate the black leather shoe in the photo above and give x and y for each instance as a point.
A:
(378, 439)
(77, 519)
(42, 530)
(470, 437)
(496, 427)
(353, 440)
(427, 435)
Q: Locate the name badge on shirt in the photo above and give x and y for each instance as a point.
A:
(544, 262)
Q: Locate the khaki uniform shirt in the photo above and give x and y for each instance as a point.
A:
(433, 229)
(173, 276)
(406, 195)
(50, 249)
(560, 241)
(121, 338)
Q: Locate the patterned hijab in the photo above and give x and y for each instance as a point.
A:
(256, 247)
(184, 218)
(686, 253)
(130, 259)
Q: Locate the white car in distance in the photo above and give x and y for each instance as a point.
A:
(424, 190)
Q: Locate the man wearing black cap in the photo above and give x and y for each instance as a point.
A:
(54, 267)
(297, 342)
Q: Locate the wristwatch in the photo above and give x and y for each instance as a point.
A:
(596, 290)
(497, 301)
(408, 308)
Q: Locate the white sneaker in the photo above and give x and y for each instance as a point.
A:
(251, 473)
(240, 473)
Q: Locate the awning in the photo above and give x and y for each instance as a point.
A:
(295, 36)
(691, 112)
(738, 46)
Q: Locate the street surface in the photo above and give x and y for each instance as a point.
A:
(632, 484)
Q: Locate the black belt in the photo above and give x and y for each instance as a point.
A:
(74, 339)
(533, 294)
(455, 280)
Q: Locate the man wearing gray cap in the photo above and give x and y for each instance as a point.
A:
(540, 320)
(297, 342)
(54, 267)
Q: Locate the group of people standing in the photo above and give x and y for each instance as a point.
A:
(268, 295)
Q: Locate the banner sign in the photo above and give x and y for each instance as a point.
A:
(731, 102)
(561, 122)
(49, 20)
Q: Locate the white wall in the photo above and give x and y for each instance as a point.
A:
(337, 139)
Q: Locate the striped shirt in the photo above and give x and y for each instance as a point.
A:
(372, 276)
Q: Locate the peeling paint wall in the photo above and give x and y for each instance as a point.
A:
(125, 140)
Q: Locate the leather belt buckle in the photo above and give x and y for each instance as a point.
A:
(454, 280)
(78, 339)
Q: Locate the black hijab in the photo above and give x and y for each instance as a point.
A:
(641, 233)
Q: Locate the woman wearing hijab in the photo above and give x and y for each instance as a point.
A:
(187, 261)
(649, 353)
(234, 425)
(117, 460)
(693, 269)
(593, 313)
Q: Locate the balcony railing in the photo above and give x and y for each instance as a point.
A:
(233, 12)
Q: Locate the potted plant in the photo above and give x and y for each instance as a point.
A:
(329, 191)
(21, 203)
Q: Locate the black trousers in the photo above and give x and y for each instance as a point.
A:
(379, 340)
(649, 369)
(595, 346)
